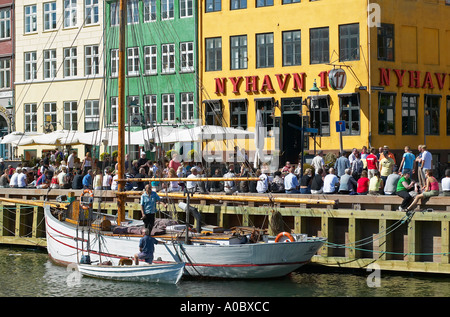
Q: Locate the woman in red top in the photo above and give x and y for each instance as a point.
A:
(363, 184)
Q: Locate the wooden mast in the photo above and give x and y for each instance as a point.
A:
(121, 110)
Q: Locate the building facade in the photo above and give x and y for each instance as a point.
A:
(6, 73)
(161, 62)
(270, 54)
(59, 69)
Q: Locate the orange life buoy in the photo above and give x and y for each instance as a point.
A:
(289, 237)
(87, 205)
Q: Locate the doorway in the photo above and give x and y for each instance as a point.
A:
(291, 137)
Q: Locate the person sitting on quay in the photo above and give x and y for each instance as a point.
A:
(43, 182)
(13, 181)
(22, 178)
(305, 182)
(277, 184)
(376, 183)
(4, 179)
(330, 183)
(363, 184)
(347, 183)
(445, 183)
(262, 184)
(390, 186)
(317, 182)
(77, 182)
(291, 182)
(431, 189)
(87, 180)
(404, 186)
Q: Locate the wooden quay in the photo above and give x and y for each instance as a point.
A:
(361, 230)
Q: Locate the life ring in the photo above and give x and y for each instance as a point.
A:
(289, 237)
(87, 205)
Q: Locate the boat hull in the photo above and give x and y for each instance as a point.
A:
(66, 244)
(156, 273)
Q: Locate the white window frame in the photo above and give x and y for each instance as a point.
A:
(133, 61)
(30, 66)
(49, 16)
(168, 58)
(70, 62)
(70, 13)
(50, 64)
(168, 108)
(167, 9)
(114, 14)
(151, 60)
(150, 109)
(5, 24)
(70, 112)
(187, 106)
(91, 115)
(91, 12)
(132, 11)
(30, 19)
(114, 62)
(187, 57)
(30, 117)
(5, 73)
(113, 115)
(91, 60)
(186, 8)
(149, 11)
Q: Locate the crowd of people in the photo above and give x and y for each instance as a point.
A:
(361, 172)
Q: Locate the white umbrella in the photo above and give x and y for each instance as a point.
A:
(259, 138)
(206, 132)
(16, 137)
(97, 137)
(60, 137)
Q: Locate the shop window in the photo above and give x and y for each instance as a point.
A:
(386, 113)
(320, 115)
(238, 114)
(350, 113)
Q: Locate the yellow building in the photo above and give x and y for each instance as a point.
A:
(59, 69)
(268, 55)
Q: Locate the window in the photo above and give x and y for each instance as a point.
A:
(187, 106)
(91, 12)
(213, 54)
(349, 42)
(290, 1)
(70, 62)
(350, 113)
(213, 112)
(49, 16)
(132, 11)
(70, 115)
(187, 57)
(5, 24)
(70, 13)
(133, 61)
(30, 19)
(167, 9)
(50, 115)
(114, 62)
(134, 109)
(30, 66)
(238, 4)
(114, 109)
(264, 50)
(30, 117)
(5, 73)
(114, 13)
(49, 64)
(168, 58)
(213, 5)
(238, 114)
(448, 114)
(386, 113)
(432, 105)
(150, 60)
(320, 115)
(266, 107)
(238, 52)
(150, 108)
(385, 45)
(91, 115)
(292, 48)
(409, 114)
(186, 8)
(168, 107)
(91, 60)
(149, 10)
(319, 46)
(264, 3)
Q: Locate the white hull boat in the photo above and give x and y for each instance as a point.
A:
(222, 258)
(168, 273)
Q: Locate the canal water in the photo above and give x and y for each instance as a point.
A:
(29, 273)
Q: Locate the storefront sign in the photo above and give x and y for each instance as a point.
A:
(414, 78)
(337, 78)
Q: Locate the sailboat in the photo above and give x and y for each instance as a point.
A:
(223, 255)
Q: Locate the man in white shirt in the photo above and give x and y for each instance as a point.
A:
(318, 162)
(191, 186)
(22, 179)
(291, 182)
(329, 183)
(71, 161)
(262, 185)
(14, 181)
(229, 186)
(426, 159)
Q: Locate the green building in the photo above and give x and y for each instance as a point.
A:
(161, 64)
